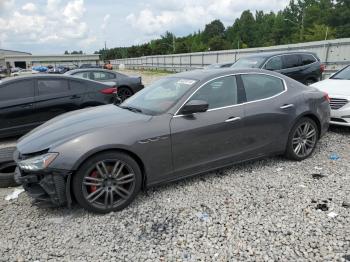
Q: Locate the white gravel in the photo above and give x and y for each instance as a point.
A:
(259, 211)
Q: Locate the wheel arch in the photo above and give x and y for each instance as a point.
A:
(133, 155)
(312, 116)
(127, 87)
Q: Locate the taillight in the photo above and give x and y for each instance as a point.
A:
(322, 67)
(326, 97)
(109, 90)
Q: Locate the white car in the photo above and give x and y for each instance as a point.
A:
(338, 89)
(23, 72)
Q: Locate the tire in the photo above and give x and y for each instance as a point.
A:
(7, 178)
(302, 139)
(124, 93)
(310, 81)
(6, 154)
(103, 192)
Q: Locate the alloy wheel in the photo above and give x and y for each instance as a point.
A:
(108, 184)
(304, 139)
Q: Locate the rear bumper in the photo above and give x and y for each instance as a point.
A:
(47, 188)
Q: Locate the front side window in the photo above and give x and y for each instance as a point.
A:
(17, 90)
(275, 63)
(261, 86)
(218, 93)
(249, 62)
(160, 96)
(52, 86)
(82, 75)
(291, 61)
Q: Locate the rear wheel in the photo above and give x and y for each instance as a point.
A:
(107, 182)
(124, 93)
(302, 139)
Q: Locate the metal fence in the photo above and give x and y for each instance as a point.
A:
(335, 54)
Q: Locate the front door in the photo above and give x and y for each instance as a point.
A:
(211, 139)
(16, 106)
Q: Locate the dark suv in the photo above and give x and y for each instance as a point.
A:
(304, 67)
(26, 102)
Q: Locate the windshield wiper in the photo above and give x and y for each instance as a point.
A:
(132, 109)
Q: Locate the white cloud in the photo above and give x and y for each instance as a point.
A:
(56, 23)
(174, 14)
(29, 7)
(106, 19)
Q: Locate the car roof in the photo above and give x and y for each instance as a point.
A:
(89, 69)
(204, 74)
(42, 76)
(270, 54)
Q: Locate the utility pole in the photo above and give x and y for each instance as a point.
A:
(105, 45)
(174, 48)
(302, 27)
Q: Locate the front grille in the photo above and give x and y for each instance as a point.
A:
(337, 103)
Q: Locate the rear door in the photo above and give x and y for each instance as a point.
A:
(54, 97)
(268, 113)
(292, 66)
(213, 138)
(16, 105)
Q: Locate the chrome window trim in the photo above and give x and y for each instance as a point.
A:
(268, 60)
(236, 74)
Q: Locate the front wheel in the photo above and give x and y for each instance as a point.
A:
(107, 182)
(302, 139)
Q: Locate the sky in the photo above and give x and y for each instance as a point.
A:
(53, 26)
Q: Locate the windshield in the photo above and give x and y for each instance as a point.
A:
(160, 96)
(249, 62)
(343, 74)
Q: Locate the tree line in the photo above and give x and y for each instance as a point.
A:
(301, 21)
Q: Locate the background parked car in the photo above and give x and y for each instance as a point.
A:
(89, 66)
(338, 88)
(58, 70)
(24, 72)
(304, 67)
(127, 85)
(28, 101)
(40, 68)
(182, 125)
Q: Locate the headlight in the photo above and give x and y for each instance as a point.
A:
(38, 162)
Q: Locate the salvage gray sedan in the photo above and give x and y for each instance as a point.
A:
(182, 125)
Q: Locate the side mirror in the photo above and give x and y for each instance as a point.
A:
(194, 106)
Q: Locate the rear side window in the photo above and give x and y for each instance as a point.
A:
(261, 86)
(52, 86)
(290, 61)
(17, 90)
(219, 92)
(307, 59)
(99, 76)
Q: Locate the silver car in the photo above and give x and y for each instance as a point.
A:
(182, 125)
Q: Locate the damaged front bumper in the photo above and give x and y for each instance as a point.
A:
(47, 188)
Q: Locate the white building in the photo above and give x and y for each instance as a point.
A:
(26, 60)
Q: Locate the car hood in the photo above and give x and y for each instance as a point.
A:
(76, 123)
(334, 87)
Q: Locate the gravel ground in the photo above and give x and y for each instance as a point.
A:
(267, 210)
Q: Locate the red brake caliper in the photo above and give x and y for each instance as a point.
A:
(93, 188)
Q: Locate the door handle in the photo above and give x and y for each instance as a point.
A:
(26, 105)
(287, 106)
(74, 97)
(232, 119)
